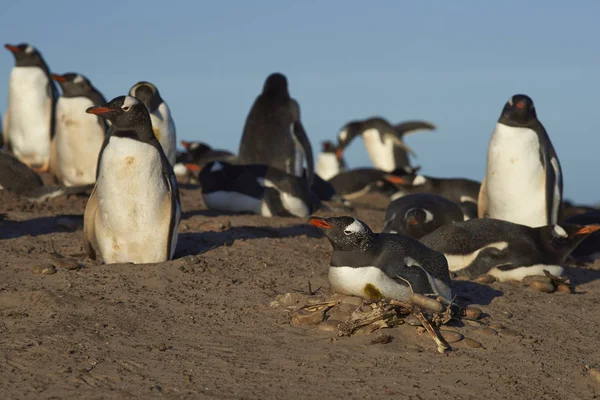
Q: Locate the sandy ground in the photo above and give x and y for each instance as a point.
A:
(201, 326)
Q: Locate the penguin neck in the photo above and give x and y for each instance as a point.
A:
(143, 134)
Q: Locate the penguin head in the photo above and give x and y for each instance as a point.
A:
(418, 216)
(347, 134)
(563, 239)
(345, 233)
(328, 147)
(26, 55)
(73, 84)
(519, 110)
(128, 116)
(196, 149)
(148, 94)
(276, 86)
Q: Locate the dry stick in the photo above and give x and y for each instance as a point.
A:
(442, 347)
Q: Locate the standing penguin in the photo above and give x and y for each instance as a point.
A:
(378, 266)
(134, 211)
(523, 182)
(273, 134)
(79, 136)
(328, 163)
(30, 115)
(160, 114)
(383, 141)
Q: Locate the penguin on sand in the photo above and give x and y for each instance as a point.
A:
(523, 182)
(328, 163)
(32, 96)
(384, 142)
(274, 123)
(134, 211)
(506, 250)
(377, 266)
(79, 136)
(358, 182)
(160, 114)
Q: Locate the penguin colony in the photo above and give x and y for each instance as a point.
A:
(123, 154)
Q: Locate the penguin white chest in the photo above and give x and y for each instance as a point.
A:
(328, 166)
(515, 177)
(164, 130)
(133, 221)
(369, 283)
(30, 108)
(380, 152)
(79, 138)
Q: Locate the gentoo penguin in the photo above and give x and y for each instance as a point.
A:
(383, 141)
(506, 250)
(259, 189)
(160, 114)
(357, 182)
(523, 181)
(79, 136)
(328, 163)
(463, 192)
(418, 214)
(30, 115)
(134, 211)
(378, 266)
(273, 134)
(199, 153)
(18, 178)
(590, 247)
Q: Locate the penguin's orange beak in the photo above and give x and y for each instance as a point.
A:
(12, 48)
(395, 179)
(192, 167)
(319, 223)
(99, 110)
(339, 153)
(586, 230)
(185, 144)
(58, 78)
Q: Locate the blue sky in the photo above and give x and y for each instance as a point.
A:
(452, 63)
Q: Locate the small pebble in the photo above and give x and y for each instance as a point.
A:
(488, 331)
(595, 374)
(355, 301)
(563, 288)
(162, 347)
(303, 317)
(367, 308)
(330, 325)
(471, 343)
(544, 287)
(290, 299)
(421, 330)
(496, 325)
(342, 311)
(485, 279)
(412, 321)
(426, 303)
(451, 336)
(382, 339)
(461, 278)
(67, 263)
(473, 312)
(529, 279)
(44, 269)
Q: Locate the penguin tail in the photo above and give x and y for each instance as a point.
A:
(408, 127)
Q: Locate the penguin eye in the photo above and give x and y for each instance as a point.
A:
(347, 232)
(125, 108)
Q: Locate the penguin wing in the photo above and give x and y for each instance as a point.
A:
(54, 170)
(300, 137)
(89, 225)
(53, 100)
(408, 127)
(554, 185)
(171, 207)
(482, 200)
(5, 128)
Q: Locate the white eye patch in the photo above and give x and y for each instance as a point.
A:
(419, 180)
(355, 227)
(129, 102)
(78, 79)
(510, 101)
(559, 231)
(29, 49)
(343, 135)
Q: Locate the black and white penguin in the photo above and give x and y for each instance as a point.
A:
(378, 266)
(328, 163)
(201, 153)
(523, 182)
(30, 115)
(160, 114)
(79, 136)
(357, 182)
(419, 214)
(258, 189)
(384, 142)
(274, 124)
(590, 247)
(134, 211)
(463, 192)
(506, 250)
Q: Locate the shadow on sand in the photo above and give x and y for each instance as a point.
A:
(468, 293)
(579, 276)
(40, 226)
(194, 243)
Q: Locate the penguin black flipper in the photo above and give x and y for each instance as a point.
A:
(408, 127)
(300, 137)
(89, 234)
(554, 185)
(171, 207)
(53, 94)
(272, 199)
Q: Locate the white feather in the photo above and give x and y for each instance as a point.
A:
(328, 166)
(457, 262)
(380, 153)
(355, 227)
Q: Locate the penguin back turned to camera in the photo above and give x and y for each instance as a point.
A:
(79, 136)
(30, 115)
(506, 250)
(163, 124)
(274, 123)
(378, 266)
(134, 211)
(258, 189)
(523, 182)
(419, 214)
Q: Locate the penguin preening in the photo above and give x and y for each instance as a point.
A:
(134, 211)
(30, 115)
(273, 133)
(259, 189)
(506, 250)
(523, 182)
(160, 115)
(384, 142)
(419, 214)
(79, 136)
(377, 266)
(328, 162)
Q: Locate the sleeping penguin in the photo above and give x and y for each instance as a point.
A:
(523, 182)
(134, 211)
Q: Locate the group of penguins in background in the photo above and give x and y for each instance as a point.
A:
(124, 154)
